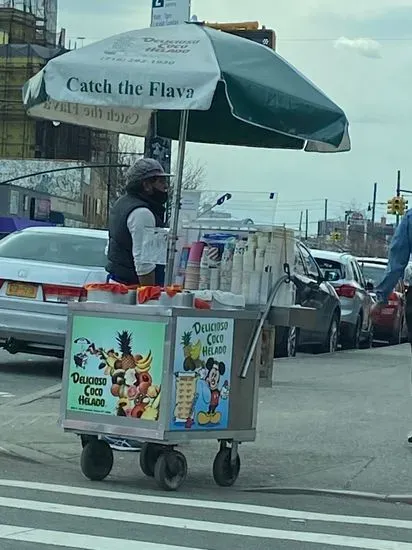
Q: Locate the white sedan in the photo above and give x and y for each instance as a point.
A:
(41, 270)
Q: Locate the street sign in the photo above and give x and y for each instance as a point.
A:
(170, 12)
(356, 218)
(267, 37)
(164, 13)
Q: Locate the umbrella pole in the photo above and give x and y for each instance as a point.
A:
(177, 194)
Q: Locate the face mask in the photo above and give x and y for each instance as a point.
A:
(160, 196)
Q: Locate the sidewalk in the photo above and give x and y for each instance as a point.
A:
(331, 422)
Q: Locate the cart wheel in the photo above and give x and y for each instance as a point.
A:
(170, 470)
(148, 457)
(85, 439)
(225, 473)
(97, 460)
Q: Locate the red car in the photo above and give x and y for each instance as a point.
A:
(389, 320)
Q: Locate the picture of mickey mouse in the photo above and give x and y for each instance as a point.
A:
(215, 370)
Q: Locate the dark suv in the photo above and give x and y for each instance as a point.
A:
(313, 291)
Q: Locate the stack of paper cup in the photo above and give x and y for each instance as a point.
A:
(237, 270)
(226, 266)
(248, 268)
(214, 278)
(204, 279)
(262, 240)
(193, 266)
(260, 260)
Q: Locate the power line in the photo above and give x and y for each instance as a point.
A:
(290, 39)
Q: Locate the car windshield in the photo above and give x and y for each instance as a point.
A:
(60, 248)
(332, 271)
(373, 273)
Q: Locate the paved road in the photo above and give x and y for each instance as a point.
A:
(26, 374)
(38, 516)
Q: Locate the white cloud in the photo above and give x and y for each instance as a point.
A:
(362, 46)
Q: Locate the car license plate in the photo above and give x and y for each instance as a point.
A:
(22, 290)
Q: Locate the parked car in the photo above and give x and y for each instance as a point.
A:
(389, 321)
(41, 270)
(312, 291)
(344, 273)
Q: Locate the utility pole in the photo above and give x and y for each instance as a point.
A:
(326, 217)
(306, 224)
(398, 193)
(375, 193)
(300, 222)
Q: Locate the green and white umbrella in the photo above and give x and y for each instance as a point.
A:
(238, 92)
(204, 85)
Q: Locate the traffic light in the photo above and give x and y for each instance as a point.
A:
(403, 206)
(249, 31)
(391, 206)
(336, 236)
(397, 204)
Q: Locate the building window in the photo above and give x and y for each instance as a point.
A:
(99, 207)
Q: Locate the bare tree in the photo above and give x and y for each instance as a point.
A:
(194, 174)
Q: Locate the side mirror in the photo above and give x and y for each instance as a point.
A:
(370, 287)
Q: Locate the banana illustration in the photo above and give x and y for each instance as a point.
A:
(152, 411)
(144, 364)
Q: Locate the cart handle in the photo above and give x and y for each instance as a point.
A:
(258, 329)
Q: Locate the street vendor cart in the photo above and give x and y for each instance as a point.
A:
(170, 373)
(162, 375)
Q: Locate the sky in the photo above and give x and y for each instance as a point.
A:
(359, 52)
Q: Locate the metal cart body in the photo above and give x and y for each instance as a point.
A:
(194, 389)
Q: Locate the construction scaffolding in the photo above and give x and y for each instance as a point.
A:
(29, 21)
(27, 43)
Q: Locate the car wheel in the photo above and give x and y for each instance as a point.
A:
(354, 338)
(292, 341)
(286, 342)
(396, 337)
(367, 343)
(330, 345)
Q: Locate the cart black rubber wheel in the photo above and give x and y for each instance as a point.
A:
(170, 470)
(97, 460)
(148, 457)
(225, 473)
(85, 439)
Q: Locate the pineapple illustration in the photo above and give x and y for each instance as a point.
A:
(188, 363)
(124, 339)
(187, 343)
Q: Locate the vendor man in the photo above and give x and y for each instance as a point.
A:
(143, 205)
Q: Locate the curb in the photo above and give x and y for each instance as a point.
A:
(310, 491)
(23, 453)
(51, 390)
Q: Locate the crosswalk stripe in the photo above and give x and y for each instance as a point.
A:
(204, 526)
(78, 541)
(6, 394)
(210, 505)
